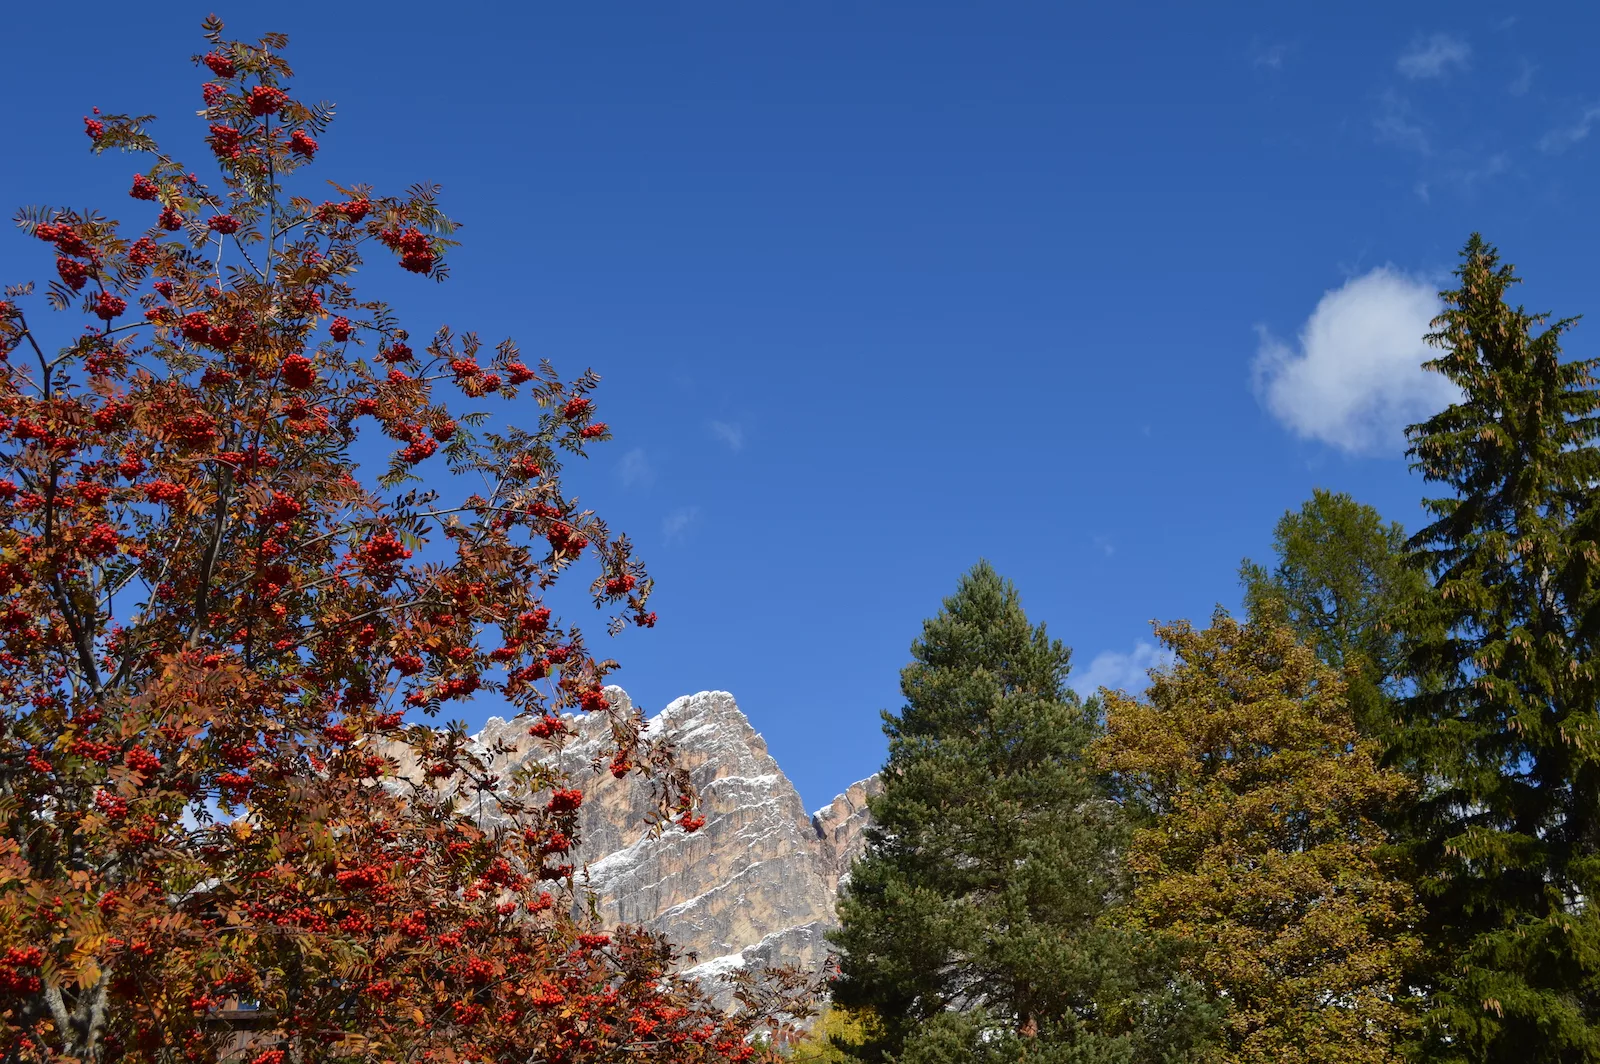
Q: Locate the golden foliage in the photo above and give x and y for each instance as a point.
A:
(1263, 855)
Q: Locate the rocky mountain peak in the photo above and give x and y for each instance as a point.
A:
(756, 885)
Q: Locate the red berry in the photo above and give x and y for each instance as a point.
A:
(221, 65)
(109, 306)
(266, 100)
(298, 372)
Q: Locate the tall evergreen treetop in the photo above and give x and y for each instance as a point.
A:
(973, 916)
(1509, 742)
(1341, 581)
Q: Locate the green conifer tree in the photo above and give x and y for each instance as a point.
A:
(973, 923)
(1342, 582)
(1507, 836)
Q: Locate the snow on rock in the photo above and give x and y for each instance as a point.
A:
(755, 886)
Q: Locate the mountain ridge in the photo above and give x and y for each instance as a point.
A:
(754, 887)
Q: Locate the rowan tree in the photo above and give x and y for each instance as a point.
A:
(217, 632)
(1263, 857)
(1507, 741)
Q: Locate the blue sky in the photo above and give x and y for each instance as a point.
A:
(878, 289)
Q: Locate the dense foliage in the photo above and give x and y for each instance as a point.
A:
(216, 635)
(1506, 836)
(1366, 820)
(974, 919)
(1361, 825)
(1342, 579)
(1262, 854)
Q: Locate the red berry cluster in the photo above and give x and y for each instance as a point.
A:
(108, 306)
(352, 210)
(74, 274)
(235, 786)
(416, 250)
(301, 144)
(383, 552)
(65, 238)
(298, 372)
(142, 253)
(221, 65)
(266, 100)
(225, 141)
(13, 978)
(163, 491)
(141, 760)
(94, 128)
(143, 188)
(224, 224)
(564, 801)
(546, 726)
(340, 329)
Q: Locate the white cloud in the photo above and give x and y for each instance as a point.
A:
(729, 433)
(678, 522)
(1121, 672)
(635, 468)
(1397, 123)
(1434, 56)
(1523, 81)
(1559, 140)
(1354, 378)
(1270, 56)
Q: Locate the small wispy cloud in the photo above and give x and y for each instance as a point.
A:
(634, 469)
(729, 433)
(678, 523)
(1467, 177)
(1561, 138)
(1121, 671)
(1105, 545)
(1522, 82)
(1434, 56)
(1269, 56)
(1354, 377)
(1397, 123)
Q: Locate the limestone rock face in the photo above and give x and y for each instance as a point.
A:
(756, 885)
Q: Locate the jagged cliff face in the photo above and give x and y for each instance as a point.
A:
(756, 885)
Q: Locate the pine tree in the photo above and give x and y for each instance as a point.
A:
(1508, 744)
(1263, 853)
(1342, 582)
(973, 922)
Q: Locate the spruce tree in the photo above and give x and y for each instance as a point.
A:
(1342, 582)
(1507, 743)
(972, 924)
